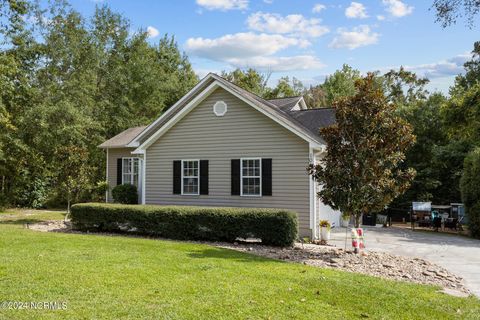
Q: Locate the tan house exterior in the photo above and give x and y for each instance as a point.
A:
(223, 146)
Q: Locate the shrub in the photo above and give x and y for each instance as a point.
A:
(470, 188)
(125, 194)
(276, 227)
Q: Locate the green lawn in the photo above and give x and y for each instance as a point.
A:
(104, 277)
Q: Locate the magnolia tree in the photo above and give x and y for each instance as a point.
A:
(362, 171)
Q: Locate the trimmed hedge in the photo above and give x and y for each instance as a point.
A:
(275, 227)
(125, 193)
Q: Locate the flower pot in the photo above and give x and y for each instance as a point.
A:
(324, 234)
(345, 222)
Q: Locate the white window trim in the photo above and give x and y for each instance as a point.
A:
(198, 178)
(132, 173)
(241, 177)
(220, 114)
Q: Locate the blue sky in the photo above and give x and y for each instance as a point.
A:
(305, 39)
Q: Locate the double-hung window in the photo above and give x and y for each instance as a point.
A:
(251, 176)
(190, 177)
(130, 171)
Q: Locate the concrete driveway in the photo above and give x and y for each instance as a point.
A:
(458, 254)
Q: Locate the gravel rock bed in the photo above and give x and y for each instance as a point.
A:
(374, 263)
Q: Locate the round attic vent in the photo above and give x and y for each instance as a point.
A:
(220, 108)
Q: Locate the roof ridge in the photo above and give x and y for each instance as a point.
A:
(291, 97)
(248, 92)
(313, 109)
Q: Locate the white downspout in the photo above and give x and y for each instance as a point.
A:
(144, 170)
(106, 179)
(311, 159)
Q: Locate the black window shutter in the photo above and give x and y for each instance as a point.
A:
(266, 177)
(119, 171)
(203, 176)
(177, 177)
(235, 177)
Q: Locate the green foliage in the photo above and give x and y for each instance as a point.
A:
(101, 189)
(449, 11)
(73, 174)
(274, 226)
(425, 155)
(125, 194)
(470, 187)
(69, 81)
(471, 76)
(403, 87)
(250, 80)
(286, 88)
(340, 84)
(325, 224)
(361, 171)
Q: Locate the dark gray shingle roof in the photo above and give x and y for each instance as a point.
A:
(314, 119)
(123, 138)
(286, 104)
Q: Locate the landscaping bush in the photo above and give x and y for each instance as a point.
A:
(276, 227)
(125, 194)
(470, 188)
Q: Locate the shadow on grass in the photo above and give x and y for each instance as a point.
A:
(229, 254)
(22, 221)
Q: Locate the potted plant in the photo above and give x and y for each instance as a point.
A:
(345, 220)
(324, 230)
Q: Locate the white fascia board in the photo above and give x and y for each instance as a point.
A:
(179, 115)
(138, 151)
(302, 104)
(134, 143)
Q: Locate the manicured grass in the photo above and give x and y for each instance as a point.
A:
(23, 216)
(114, 277)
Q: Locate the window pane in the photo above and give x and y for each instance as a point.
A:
(190, 185)
(190, 168)
(127, 165)
(251, 186)
(251, 168)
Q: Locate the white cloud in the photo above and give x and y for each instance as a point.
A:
(268, 1)
(152, 32)
(253, 50)
(293, 24)
(357, 37)
(318, 8)
(223, 5)
(380, 17)
(241, 45)
(356, 10)
(301, 62)
(444, 68)
(397, 8)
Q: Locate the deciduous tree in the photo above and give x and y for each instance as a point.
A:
(361, 171)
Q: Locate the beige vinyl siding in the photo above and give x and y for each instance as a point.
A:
(241, 132)
(113, 155)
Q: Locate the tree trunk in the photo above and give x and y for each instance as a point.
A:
(357, 220)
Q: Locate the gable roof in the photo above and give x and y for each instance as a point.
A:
(122, 139)
(287, 103)
(288, 112)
